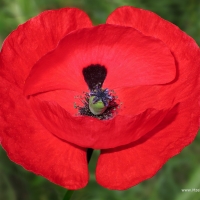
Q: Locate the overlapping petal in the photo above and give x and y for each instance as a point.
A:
(32, 40)
(130, 57)
(93, 133)
(141, 160)
(29, 144)
(184, 48)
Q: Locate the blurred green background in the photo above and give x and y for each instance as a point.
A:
(182, 171)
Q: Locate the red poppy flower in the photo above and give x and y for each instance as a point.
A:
(142, 70)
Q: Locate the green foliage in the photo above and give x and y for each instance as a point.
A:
(182, 171)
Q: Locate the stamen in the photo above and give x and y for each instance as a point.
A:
(105, 104)
(99, 103)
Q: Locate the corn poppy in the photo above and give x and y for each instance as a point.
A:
(129, 87)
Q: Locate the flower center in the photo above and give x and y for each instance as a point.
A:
(99, 103)
(99, 100)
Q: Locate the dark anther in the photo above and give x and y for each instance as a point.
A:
(94, 75)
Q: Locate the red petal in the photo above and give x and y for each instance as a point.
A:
(130, 57)
(186, 54)
(135, 100)
(141, 160)
(93, 133)
(30, 41)
(30, 145)
(183, 47)
(65, 98)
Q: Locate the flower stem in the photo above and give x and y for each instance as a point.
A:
(89, 154)
(69, 193)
